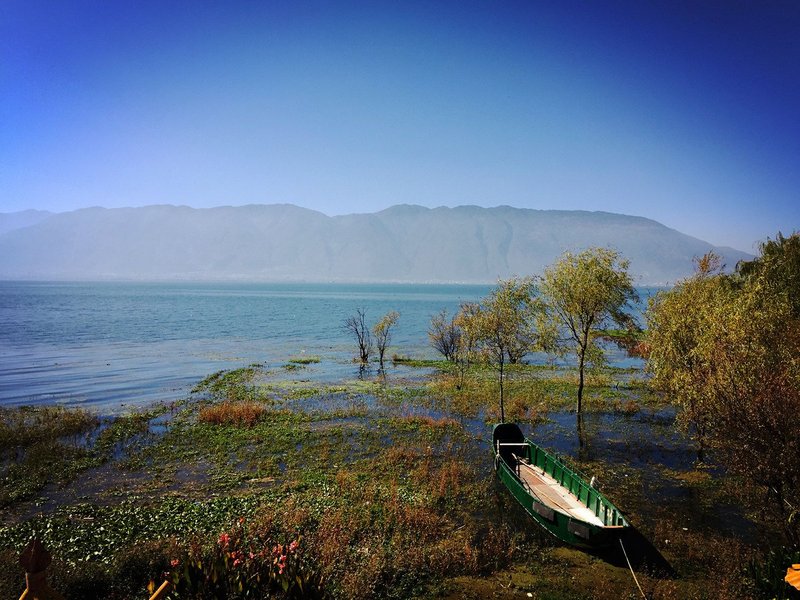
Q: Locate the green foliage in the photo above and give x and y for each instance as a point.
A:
(232, 385)
(242, 564)
(382, 330)
(778, 267)
(304, 360)
(678, 320)
(726, 347)
(768, 573)
(445, 335)
(41, 445)
(90, 532)
(584, 294)
(500, 327)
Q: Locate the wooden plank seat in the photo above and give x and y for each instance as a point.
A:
(551, 493)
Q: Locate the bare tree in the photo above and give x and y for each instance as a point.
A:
(445, 335)
(356, 325)
(383, 332)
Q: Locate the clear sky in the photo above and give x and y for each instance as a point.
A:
(687, 112)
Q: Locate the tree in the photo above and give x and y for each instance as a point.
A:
(357, 326)
(445, 335)
(778, 267)
(383, 332)
(729, 344)
(677, 321)
(585, 293)
(465, 323)
(503, 322)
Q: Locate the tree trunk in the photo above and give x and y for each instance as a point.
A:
(502, 408)
(581, 364)
(582, 445)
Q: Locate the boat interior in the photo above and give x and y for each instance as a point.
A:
(551, 493)
(556, 486)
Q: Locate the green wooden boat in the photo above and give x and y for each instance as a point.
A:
(556, 496)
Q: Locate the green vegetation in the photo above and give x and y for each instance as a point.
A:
(725, 347)
(304, 360)
(40, 446)
(386, 491)
(500, 328)
(382, 331)
(257, 486)
(583, 294)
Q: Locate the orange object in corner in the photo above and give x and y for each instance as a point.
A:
(793, 576)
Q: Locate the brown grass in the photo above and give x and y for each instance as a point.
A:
(429, 421)
(241, 414)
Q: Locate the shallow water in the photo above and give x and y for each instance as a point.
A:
(110, 346)
(113, 345)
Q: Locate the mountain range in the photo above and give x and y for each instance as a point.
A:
(283, 242)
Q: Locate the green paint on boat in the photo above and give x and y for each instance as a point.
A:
(594, 522)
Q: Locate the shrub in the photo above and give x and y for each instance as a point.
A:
(233, 413)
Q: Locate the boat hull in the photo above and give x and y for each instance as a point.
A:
(574, 531)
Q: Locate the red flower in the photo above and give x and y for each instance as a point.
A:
(174, 563)
(224, 540)
(293, 546)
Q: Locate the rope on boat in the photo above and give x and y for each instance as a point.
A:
(641, 591)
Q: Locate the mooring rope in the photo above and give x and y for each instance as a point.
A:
(641, 591)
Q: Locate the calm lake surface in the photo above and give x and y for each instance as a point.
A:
(110, 346)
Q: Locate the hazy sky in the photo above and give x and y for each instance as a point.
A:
(684, 112)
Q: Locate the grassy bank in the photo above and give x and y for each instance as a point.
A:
(374, 487)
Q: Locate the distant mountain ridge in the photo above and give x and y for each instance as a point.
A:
(24, 218)
(284, 242)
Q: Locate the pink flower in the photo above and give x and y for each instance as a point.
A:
(237, 562)
(293, 546)
(174, 563)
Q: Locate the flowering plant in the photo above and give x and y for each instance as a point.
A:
(240, 565)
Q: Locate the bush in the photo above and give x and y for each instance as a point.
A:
(244, 413)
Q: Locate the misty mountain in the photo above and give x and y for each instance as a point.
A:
(18, 220)
(288, 243)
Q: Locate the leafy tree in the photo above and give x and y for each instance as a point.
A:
(726, 348)
(778, 267)
(445, 335)
(677, 320)
(383, 332)
(466, 324)
(357, 326)
(502, 323)
(584, 294)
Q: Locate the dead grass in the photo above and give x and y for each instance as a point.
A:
(240, 414)
(429, 421)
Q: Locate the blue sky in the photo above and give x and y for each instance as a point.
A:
(684, 112)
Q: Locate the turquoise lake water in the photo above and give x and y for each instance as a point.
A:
(110, 346)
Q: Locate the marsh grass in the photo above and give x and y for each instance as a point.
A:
(304, 360)
(237, 413)
(387, 483)
(42, 445)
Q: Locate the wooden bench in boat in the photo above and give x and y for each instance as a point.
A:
(551, 493)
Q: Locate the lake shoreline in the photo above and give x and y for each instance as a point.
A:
(315, 439)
